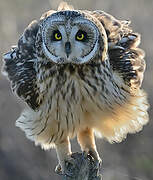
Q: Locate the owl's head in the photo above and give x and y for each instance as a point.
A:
(72, 37)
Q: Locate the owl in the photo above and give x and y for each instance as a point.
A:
(79, 73)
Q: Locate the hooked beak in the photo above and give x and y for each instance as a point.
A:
(67, 48)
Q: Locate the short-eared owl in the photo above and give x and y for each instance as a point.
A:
(80, 73)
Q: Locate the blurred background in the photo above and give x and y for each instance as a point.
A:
(20, 158)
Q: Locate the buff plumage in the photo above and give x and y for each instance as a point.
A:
(94, 92)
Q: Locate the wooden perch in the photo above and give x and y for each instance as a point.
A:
(84, 168)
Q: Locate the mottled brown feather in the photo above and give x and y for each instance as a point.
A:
(125, 56)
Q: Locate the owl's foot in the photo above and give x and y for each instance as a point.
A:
(95, 157)
(80, 165)
(66, 166)
(58, 169)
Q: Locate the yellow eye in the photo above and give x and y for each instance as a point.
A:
(58, 36)
(81, 36)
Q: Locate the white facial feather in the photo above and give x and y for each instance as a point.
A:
(81, 51)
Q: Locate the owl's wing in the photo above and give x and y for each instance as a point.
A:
(126, 58)
(19, 66)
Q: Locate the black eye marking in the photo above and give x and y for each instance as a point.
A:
(81, 36)
(56, 36)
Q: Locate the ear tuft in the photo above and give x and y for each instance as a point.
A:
(64, 6)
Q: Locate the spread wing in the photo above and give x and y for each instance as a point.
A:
(19, 66)
(125, 57)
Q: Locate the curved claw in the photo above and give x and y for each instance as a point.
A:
(66, 167)
(58, 170)
(94, 157)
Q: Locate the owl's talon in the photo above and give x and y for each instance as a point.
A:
(58, 169)
(95, 157)
(98, 163)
